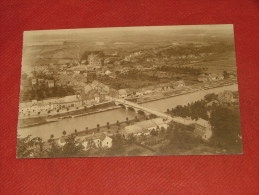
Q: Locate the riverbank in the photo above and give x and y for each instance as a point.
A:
(23, 123)
(29, 122)
(102, 118)
(150, 99)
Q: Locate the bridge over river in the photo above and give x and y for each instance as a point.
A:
(147, 111)
(111, 116)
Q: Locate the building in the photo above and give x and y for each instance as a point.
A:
(144, 127)
(226, 97)
(67, 102)
(122, 93)
(137, 92)
(34, 82)
(50, 83)
(61, 141)
(96, 98)
(107, 72)
(98, 140)
(210, 77)
(202, 128)
(44, 107)
(166, 86)
(91, 75)
(130, 92)
(203, 78)
(77, 69)
(88, 88)
(180, 83)
(147, 90)
(95, 61)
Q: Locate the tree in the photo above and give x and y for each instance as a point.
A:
(76, 132)
(118, 123)
(225, 74)
(127, 120)
(91, 145)
(210, 97)
(131, 138)
(54, 150)
(29, 147)
(24, 149)
(108, 125)
(98, 127)
(162, 130)
(64, 133)
(153, 132)
(86, 130)
(226, 125)
(71, 147)
(51, 139)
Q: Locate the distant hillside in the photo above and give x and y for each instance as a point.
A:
(42, 54)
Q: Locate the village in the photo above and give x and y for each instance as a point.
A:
(70, 85)
(99, 81)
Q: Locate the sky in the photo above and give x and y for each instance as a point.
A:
(113, 32)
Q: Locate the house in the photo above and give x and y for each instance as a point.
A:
(202, 128)
(226, 97)
(122, 93)
(100, 86)
(95, 84)
(34, 82)
(50, 83)
(107, 72)
(78, 69)
(95, 60)
(180, 83)
(137, 92)
(146, 91)
(114, 93)
(144, 127)
(42, 106)
(88, 88)
(135, 131)
(40, 81)
(34, 107)
(61, 141)
(106, 88)
(212, 77)
(96, 98)
(220, 76)
(98, 140)
(83, 61)
(165, 86)
(130, 92)
(203, 78)
(25, 107)
(102, 96)
(66, 102)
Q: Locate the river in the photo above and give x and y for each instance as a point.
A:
(111, 116)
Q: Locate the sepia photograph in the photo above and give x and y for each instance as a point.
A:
(129, 91)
